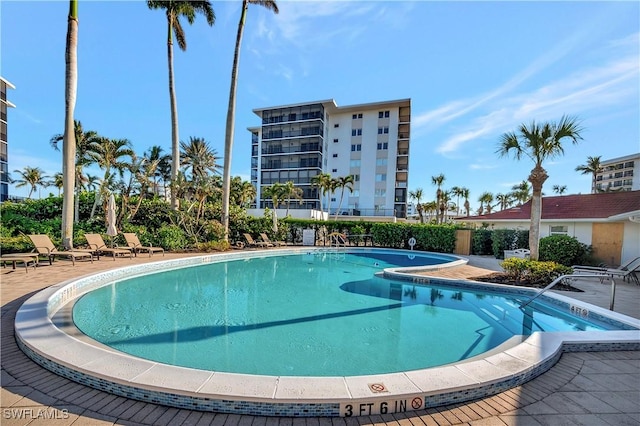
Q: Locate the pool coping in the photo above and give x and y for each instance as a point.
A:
(135, 378)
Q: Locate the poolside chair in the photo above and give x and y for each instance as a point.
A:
(97, 245)
(519, 253)
(45, 247)
(253, 243)
(136, 245)
(626, 271)
(266, 239)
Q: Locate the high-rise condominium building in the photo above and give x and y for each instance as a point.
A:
(4, 156)
(619, 174)
(368, 141)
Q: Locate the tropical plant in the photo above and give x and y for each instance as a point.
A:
(69, 144)
(33, 177)
(438, 181)
(539, 142)
(457, 191)
(342, 183)
(83, 142)
(242, 192)
(593, 167)
(504, 200)
(231, 110)
(417, 195)
(559, 189)
(324, 182)
(159, 165)
(200, 157)
(485, 199)
(521, 192)
(174, 10)
(291, 191)
(277, 192)
(467, 207)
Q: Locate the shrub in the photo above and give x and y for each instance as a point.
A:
(171, 237)
(508, 239)
(563, 249)
(481, 242)
(532, 270)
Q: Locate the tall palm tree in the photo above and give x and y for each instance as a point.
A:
(417, 195)
(69, 144)
(242, 191)
(444, 206)
(174, 10)
(458, 192)
(539, 142)
(82, 157)
(199, 155)
(504, 200)
(324, 183)
(438, 181)
(33, 177)
(592, 166)
(344, 182)
(231, 110)
(58, 182)
(465, 194)
(485, 199)
(559, 189)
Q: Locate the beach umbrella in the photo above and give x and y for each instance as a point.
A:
(111, 218)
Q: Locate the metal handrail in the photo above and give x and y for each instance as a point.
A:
(560, 278)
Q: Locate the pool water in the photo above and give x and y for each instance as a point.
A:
(304, 315)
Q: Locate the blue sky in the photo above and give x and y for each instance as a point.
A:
(474, 70)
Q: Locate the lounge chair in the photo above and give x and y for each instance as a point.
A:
(97, 245)
(626, 271)
(24, 258)
(253, 243)
(136, 245)
(45, 247)
(520, 253)
(266, 239)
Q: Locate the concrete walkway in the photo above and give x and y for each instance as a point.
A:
(596, 388)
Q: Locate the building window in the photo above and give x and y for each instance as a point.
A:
(628, 173)
(355, 163)
(381, 161)
(356, 178)
(558, 230)
(336, 125)
(381, 177)
(356, 116)
(335, 141)
(334, 170)
(356, 147)
(356, 132)
(628, 164)
(333, 199)
(381, 193)
(383, 145)
(335, 155)
(386, 114)
(382, 130)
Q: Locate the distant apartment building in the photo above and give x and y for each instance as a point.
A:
(4, 156)
(619, 174)
(368, 141)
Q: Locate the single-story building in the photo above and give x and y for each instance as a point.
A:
(608, 221)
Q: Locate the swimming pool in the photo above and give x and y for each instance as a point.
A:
(70, 354)
(315, 314)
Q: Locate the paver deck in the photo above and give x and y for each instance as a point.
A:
(599, 388)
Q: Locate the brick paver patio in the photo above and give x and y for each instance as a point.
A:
(596, 388)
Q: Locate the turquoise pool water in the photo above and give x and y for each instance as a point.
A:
(304, 315)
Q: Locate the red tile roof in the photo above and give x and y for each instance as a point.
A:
(563, 207)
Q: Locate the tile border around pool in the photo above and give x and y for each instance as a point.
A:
(135, 378)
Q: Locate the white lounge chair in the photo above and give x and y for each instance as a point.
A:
(520, 253)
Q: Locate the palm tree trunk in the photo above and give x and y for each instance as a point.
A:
(537, 178)
(175, 146)
(229, 131)
(69, 139)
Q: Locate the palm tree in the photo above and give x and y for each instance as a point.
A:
(199, 155)
(343, 182)
(277, 193)
(539, 142)
(485, 199)
(82, 157)
(231, 110)
(592, 166)
(291, 191)
(58, 182)
(174, 10)
(110, 154)
(417, 195)
(324, 183)
(504, 200)
(159, 164)
(521, 192)
(458, 192)
(559, 189)
(69, 144)
(438, 181)
(443, 207)
(431, 208)
(242, 191)
(33, 177)
(465, 195)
